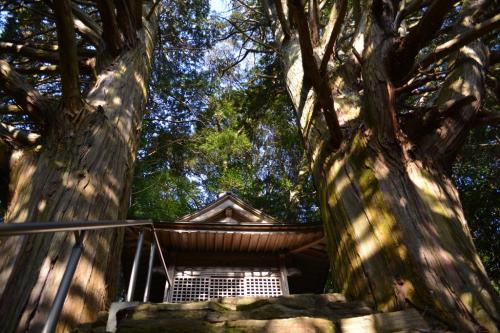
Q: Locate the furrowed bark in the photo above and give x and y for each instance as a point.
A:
(466, 79)
(82, 173)
(380, 109)
(410, 234)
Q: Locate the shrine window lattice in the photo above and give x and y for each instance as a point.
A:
(202, 285)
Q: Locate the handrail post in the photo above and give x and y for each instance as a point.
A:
(150, 272)
(62, 291)
(135, 267)
(165, 268)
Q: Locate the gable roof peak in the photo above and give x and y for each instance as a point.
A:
(228, 208)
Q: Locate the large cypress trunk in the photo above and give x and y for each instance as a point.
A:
(397, 236)
(82, 172)
(396, 232)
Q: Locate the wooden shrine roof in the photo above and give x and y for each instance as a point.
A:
(231, 225)
(213, 237)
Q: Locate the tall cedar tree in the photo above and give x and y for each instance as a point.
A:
(72, 156)
(386, 92)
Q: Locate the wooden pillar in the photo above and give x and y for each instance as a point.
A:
(283, 274)
(167, 294)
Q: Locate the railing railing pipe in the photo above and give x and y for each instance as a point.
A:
(147, 289)
(62, 291)
(135, 267)
(16, 229)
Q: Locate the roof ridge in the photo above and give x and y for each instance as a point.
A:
(228, 196)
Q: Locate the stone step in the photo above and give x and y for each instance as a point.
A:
(286, 314)
(400, 321)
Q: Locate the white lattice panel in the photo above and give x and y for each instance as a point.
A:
(263, 286)
(188, 289)
(226, 287)
(201, 285)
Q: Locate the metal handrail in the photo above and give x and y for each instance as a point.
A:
(16, 229)
(79, 228)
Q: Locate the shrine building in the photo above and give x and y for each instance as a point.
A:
(225, 249)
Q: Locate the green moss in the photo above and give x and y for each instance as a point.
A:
(273, 311)
(231, 329)
(388, 262)
(252, 306)
(219, 307)
(168, 326)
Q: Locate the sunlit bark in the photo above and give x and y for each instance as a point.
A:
(82, 171)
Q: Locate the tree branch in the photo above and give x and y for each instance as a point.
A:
(408, 9)
(431, 117)
(282, 19)
(126, 21)
(427, 119)
(18, 137)
(460, 40)
(152, 10)
(332, 32)
(415, 83)
(138, 14)
(45, 69)
(403, 56)
(68, 55)
(306, 47)
(494, 57)
(30, 52)
(312, 73)
(242, 32)
(488, 118)
(86, 26)
(111, 32)
(11, 109)
(314, 21)
(28, 98)
(235, 63)
(49, 54)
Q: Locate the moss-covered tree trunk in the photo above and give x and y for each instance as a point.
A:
(396, 231)
(397, 236)
(82, 172)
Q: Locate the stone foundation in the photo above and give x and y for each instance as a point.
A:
(328, 313)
